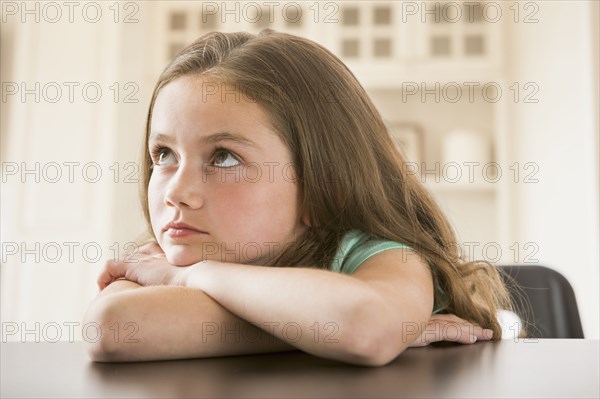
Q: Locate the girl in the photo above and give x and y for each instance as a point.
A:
(282, 218)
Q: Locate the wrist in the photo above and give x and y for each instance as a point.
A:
(194, 275)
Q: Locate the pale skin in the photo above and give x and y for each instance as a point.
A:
(200, 281)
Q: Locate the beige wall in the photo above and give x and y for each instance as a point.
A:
(560, 134)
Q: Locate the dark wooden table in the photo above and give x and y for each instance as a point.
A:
(544, 368)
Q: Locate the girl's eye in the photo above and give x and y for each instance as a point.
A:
(224, 159)
(162, 155)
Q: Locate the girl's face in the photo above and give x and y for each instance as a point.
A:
(223, 185)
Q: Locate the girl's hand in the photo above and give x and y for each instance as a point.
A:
(448, 327)
(147, 266)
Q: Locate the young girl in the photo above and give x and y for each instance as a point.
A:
(282, 218)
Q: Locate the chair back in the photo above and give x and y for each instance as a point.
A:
(550, 309)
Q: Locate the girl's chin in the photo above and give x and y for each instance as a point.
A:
(184, 255)
(178, 256)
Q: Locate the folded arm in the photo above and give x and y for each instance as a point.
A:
(367, 318)
(169, 322)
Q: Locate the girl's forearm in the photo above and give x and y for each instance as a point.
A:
(318, 311)
(167, 322)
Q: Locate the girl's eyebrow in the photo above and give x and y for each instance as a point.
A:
(165, 138)
(228, 136)
(210, 139)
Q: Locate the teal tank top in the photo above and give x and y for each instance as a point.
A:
(356, 247)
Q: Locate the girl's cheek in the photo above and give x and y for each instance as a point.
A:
(152, 197)
(155, 195)
(157, 184)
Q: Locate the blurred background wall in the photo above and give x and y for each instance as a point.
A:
(495, 105)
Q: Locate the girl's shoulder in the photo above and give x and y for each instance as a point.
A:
(356, 247)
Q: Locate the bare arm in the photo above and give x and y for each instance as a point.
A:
(376, 313)
(367, 318)
(170, 322)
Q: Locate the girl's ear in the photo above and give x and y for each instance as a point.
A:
(305, 219)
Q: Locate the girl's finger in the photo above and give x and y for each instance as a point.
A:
(112, 271)
(487, 334)
(482, 334)
(103, 281)
(456, 332)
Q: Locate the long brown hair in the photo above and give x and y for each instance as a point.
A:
(348, 167)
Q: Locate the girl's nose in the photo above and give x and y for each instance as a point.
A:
(185, 189)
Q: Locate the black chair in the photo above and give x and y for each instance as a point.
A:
(544, 300)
